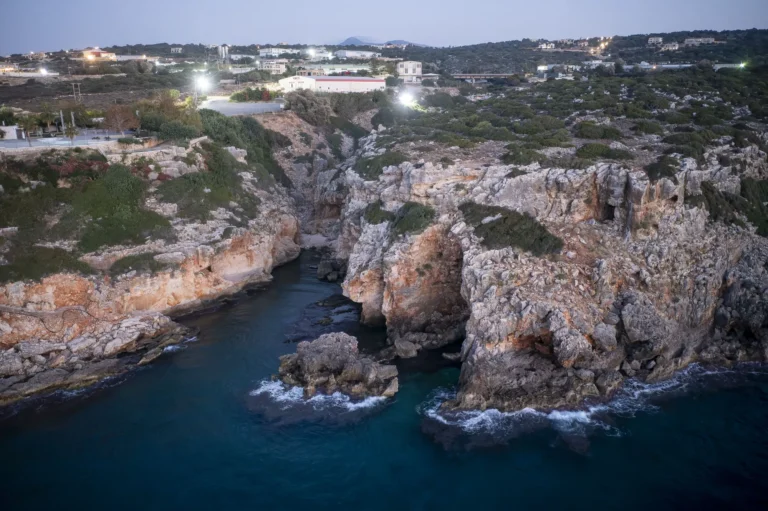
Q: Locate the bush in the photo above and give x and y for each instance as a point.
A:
(129, 141)
(178, 131)
(34, 263)
(666, 166)
(371, 168)
(728, 208)
(648, 127)
(428, 83)
(518, 155)
(385, 117)
(391, 81)
(114, 206)
(349, 128)
(675, 118)
(222, 182)
(596, 131)
(439, 100)
(413, 218)
(510, 229)
(592, 151)
(140, 263)
(312, 108)
(374, 214)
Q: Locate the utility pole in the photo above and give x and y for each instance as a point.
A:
(76, 93)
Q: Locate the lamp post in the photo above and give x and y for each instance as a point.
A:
(201, 85)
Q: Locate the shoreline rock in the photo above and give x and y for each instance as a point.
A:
(332, 363)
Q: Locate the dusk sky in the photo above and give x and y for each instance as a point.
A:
(46, 25)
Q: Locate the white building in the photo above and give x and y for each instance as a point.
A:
(357, 54)
(274, 67)
(695, 41)
(235, 57)
(273, 53)
(593, 64)
(582, 44)
(409, 71)
(670, 47)
(177, 49)
(317, 54)
(330, 69)
(655, 40)
(332, 83)
(12, 133)
(547, 46)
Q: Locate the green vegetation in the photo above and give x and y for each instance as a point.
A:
(253, 95)
(648, 128)
(246, 133)
(518, 155)
(728, 208)
(198, 193)
(690, 145)
(306, 138)
(666, 166)
(114, 206)
(37, 262)
(177, 131)
(371, 168)
(597, 131)
(129, 140)
(374, 214)
(593, 151)
(142, 263)
(412, 218)
(510, 229)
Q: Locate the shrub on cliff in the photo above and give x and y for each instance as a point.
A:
(178, 132)
(114, 207)
(413, 218)
(371, 168)
(34, 263)
(592, 151)
(518, 155)
(730, 209)
(374, 214)
(596, 131)
(139, 263)
(311, 107)
(666, 166)
(648, 128)
(197, 194)
(505, 228)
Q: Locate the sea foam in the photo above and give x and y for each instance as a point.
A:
(634, 397)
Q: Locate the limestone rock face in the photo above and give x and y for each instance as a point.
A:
(645, 284)
(73, 323)
(332, 363)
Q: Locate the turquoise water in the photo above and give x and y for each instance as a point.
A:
(199, 429)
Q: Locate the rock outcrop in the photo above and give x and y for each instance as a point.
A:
(333, 363)
(70, 329)
(646, 282)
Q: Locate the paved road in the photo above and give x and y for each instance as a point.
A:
(84, 139)
(223, 106)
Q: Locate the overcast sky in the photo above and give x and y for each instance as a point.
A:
(46, 25)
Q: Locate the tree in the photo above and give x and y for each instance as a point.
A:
(120, 118)
(70, 131)
(375, 67)
(28, 123)
(47, 115)
(314, 109)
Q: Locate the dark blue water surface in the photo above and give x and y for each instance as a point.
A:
(200, 429)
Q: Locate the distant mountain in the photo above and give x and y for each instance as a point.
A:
(367, 41)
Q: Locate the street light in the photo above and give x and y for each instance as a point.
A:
(43, 71)
(407, 99)
(743, 65)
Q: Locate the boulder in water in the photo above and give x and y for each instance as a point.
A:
(333, 363)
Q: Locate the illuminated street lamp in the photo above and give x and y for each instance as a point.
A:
(311, 52)
(201, 85)
(43, 71)
(742, 65)
(407, 99)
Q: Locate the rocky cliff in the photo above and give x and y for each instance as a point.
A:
(69, 329)
(643, 281)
